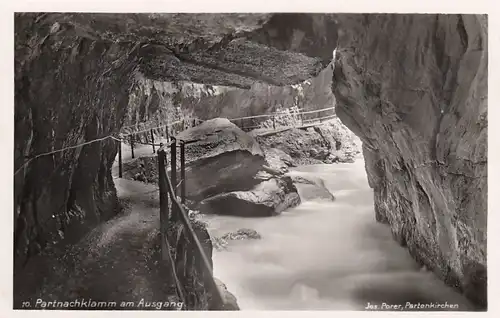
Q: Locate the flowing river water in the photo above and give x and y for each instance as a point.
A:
(326, 255)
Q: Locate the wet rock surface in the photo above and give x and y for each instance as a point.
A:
(221, 243)
(422, 118)
(242, 234)
(270, 197)
(230, 302)
(310, 187)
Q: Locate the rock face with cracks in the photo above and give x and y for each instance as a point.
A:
(414, 89)
(221, 49)
(73, 75)
(330, 142)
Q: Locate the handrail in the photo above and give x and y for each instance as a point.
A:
(189, 228)
(230, 119)
(250, 117)
(316, 111)
(178, 284)
(282, 113)
(320, 118)
(308, 121)
(147, 130)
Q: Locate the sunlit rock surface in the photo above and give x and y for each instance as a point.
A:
(414, 88)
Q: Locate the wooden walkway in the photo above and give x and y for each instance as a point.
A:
(254, 125)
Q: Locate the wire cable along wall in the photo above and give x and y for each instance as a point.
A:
(122, 136)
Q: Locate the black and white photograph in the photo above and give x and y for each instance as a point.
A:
(270, 161)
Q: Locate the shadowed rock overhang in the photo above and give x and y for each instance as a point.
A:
(219, 49)
(73, 76)
(412, 87)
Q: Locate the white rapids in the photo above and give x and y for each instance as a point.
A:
(325, 255)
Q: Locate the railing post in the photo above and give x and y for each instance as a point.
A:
(162, 183)
(167, 133)
(120, 167)
(274, 121)
(173, 176)
(183, 172)
(217, 301)
(132, 145)
(301, 119)
(153, 140)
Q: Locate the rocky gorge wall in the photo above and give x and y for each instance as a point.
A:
(414, 89)
(73, 77)
(68, 90)
(153, 102)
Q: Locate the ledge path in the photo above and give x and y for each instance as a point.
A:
(118, 260)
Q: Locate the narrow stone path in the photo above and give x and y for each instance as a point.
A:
(118, 261)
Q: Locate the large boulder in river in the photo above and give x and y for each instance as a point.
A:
(270, 197)
(220, 158)
(310, 187)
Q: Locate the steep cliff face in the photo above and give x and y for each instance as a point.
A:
(414, 89)
(314, 93)
(152, 102)
(73, 77)
(68, 90)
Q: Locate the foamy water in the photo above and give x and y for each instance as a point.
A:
(325, 255)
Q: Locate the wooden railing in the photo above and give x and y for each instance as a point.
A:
(282, 119)
(168, 186)
(247, 123)
(175, 212)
